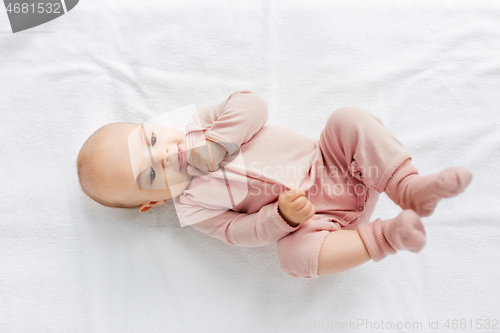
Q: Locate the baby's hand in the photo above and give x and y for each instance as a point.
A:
(199, 157)
(294, 207)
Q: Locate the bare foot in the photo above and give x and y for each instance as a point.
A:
(424, 192)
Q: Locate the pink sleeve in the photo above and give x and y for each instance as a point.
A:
(235, 121)
(251, 230)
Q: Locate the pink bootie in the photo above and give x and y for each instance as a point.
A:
(381, 238)
(422, 193)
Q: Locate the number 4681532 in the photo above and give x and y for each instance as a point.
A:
(25, 8)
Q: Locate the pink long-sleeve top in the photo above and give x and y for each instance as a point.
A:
(275, 158)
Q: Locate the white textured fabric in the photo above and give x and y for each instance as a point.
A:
(430, 70)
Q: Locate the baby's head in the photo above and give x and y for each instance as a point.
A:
(129, 165)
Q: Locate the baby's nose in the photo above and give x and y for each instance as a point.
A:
(171, 151)
(168, 152)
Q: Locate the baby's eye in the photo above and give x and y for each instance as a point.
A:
(153, 139)
(152, 175)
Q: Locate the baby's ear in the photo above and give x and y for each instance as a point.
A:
(144, 208)
(147, 206)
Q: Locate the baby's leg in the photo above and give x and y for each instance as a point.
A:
(345, 249)
(342, 250)
(359, 143)
(320, 247)
(422, 193)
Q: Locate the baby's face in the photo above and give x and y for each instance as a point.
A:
(136, 165)
(158, 160)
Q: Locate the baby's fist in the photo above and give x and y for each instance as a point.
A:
(199, 156)
(294, 207)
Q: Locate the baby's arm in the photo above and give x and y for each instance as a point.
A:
(258, 229)
(232, 122)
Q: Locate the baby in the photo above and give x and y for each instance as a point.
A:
(318, 216)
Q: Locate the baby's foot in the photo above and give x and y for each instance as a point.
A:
(405, 232)
(382, 238)
(424, 192)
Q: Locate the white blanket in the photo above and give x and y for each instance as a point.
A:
(429, 69)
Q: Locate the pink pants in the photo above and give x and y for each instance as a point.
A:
(364, 154)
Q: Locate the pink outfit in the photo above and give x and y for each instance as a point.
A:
(342, 174)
